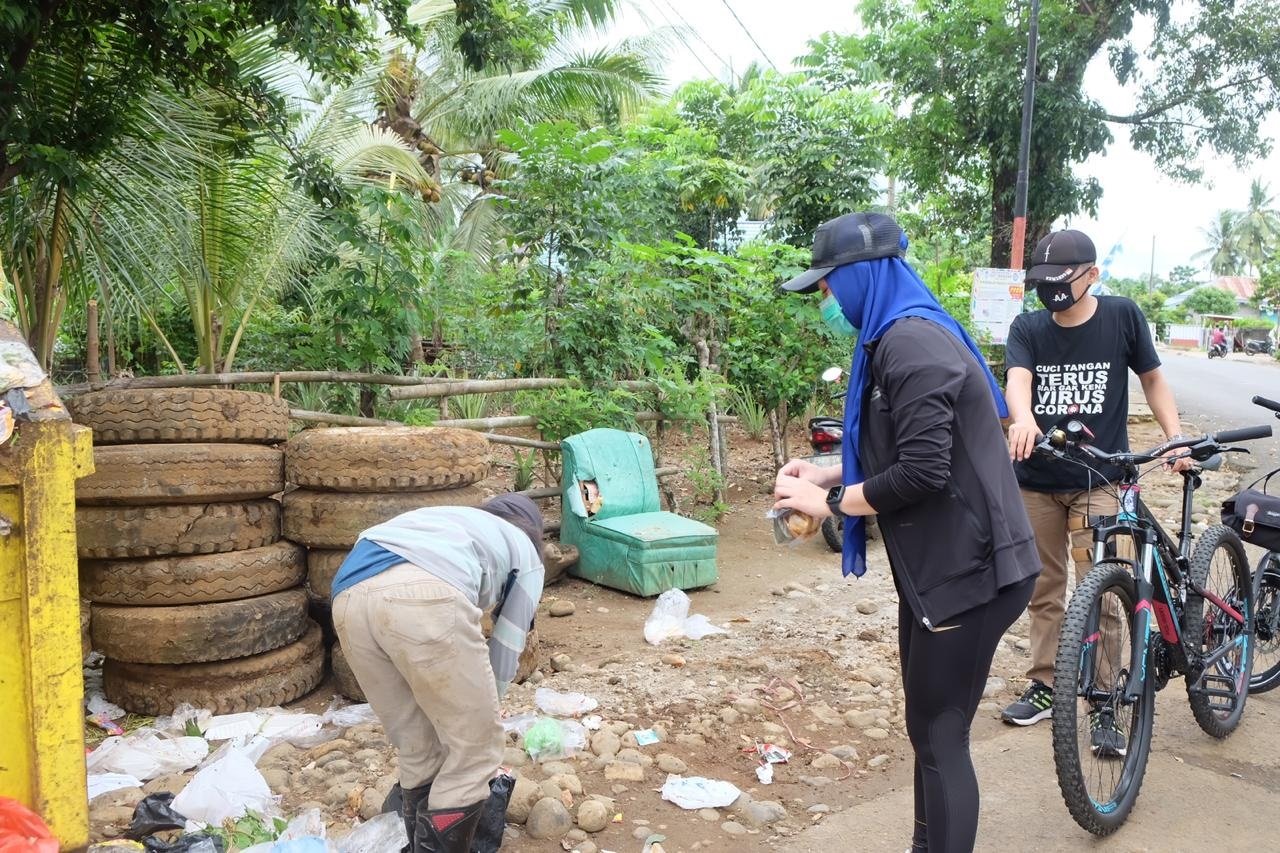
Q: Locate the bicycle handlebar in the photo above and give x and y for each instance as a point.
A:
(1246, 434)
(1267, 404)
(1202, 447)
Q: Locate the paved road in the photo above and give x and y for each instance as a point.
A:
(1215, 395)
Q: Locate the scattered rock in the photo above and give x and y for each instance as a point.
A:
(548, 820)
(512, 757)
(668, 763)
(860, 686)
(878, 676)
(845, 752)
(641, 833)
(825, 761)
(557, 768)
(561, 607)
(747, 706)
(525, 793)
(1024, 644)
(340, 746)
(792, 586)
(674, 660)
(709, 815)
(277, 779)
(861, 719)
(732, 827)
(730, 717)
(593, 816)
(879, 761)
(990, 707)
(687, 739)
(995, 686)
(605, 744)
(866, 607)
(561, 662)
(825, 714)
(763, 812)
(870, 635)
(817, 808)
(817, 781)
(634, 756)
(568, 782)
(875, 734)
(586, 846)
(624, 771)
(773, 729)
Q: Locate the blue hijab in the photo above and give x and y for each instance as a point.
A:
(873, 296)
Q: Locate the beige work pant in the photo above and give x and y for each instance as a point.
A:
(1060, 523)
(415, 646)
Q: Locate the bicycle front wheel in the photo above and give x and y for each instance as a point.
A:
(1266, 622)
(1101, 740)
(1217, 691)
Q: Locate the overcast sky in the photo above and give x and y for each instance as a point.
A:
(1138, 202)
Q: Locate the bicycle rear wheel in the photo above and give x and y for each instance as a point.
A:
(1218, 692)
(1266, 623)
(1100, 778)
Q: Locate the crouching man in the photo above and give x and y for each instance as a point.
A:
(407, 605)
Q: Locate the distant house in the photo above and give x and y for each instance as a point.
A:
(1240, 286)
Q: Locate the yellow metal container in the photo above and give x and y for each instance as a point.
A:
(41, 683)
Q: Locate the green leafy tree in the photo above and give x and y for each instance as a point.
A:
(1204, 81)
(1210, 300)
(1223, 251)
(1267, 295)
(1256, 230)
(1182, 277)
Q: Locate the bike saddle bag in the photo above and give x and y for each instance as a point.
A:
(1254, 513)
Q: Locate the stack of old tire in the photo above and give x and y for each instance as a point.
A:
(196, 599)
(351, 478)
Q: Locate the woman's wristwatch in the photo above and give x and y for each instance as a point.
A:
(834, 496)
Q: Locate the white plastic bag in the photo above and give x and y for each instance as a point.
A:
(384, 833)
(350, 715)
(146, 754)
(559, 704)
(670, 619)
(695, 792)
(176, 723)
(225, 790)
(105, 783)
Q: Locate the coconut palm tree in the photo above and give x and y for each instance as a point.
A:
(1223, 252)
(1257, 227)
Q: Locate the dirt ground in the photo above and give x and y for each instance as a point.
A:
(809, 664)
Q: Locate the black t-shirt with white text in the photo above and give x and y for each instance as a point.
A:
(1080, 372)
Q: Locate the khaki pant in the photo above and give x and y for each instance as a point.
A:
(415, 646)
(1060, 522)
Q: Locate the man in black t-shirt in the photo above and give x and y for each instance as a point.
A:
(1072, 359)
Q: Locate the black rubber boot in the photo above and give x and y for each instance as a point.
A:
(410, 801)
(447, 830)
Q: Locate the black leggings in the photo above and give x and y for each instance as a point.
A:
(944, 673)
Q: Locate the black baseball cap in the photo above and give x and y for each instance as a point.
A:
(845, 240)
(1061, 256)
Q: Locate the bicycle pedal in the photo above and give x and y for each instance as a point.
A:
(1219, 689)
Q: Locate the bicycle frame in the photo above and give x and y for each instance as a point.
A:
(1153, 574)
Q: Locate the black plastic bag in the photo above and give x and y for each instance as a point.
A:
(153, 814)
(493, 820)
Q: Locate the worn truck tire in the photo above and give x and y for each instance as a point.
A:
(224, 687)
(195, 633)
(181, 473)
(158, 531)
(386, 459)
(335, 520)
(322, 567)
(129, 416)
(344, 680)
(165, 581)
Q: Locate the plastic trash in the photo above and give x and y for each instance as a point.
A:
(493, 820)
(670, 619)
(153, 814)
(695, 792)
(22, 830)
(308, 844)
(765, 774)
(382, 834)
(99, 706)
(550, 739)
(345, 717)
(646, 737)
(593, 722)
(226, 789)
(105, 783)
(309, 824)
(195, 842)
(559, 704)
(146, 754)
(518, 723)
(771, 753)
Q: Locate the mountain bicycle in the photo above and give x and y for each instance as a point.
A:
(1149, 610)
(1266, 594)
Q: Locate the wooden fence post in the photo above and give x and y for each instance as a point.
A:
(93, 361)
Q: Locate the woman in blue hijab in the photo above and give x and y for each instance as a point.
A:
(924, 452)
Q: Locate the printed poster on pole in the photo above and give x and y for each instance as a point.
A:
(995, 301)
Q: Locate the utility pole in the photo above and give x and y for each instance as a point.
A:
(1024, 146)
(1151, 281)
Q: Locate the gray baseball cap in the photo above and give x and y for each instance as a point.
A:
(846, 240)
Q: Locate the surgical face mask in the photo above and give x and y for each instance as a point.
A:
(1056, 295)
(835, 319)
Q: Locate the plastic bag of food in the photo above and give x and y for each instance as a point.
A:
(22, 830)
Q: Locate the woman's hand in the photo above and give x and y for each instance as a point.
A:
(801, 495)
(801, 469)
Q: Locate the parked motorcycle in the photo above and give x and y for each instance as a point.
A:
(1218, 351)
(1258, 346)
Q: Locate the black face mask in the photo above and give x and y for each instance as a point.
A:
(1056, 295)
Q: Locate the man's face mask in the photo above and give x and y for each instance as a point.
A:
(1058, 295)
(835, 319)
